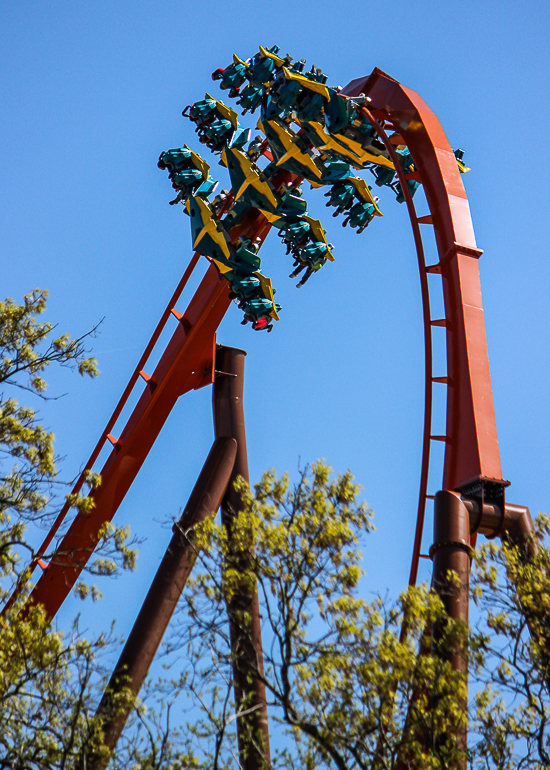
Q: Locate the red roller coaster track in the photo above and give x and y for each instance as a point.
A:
(472, 458)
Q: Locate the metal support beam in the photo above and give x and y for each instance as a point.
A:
(451, 551)
(513, 524)
(163, 596)
(246, 643)
(455, 520)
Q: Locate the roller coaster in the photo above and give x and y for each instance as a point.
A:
(309, 132)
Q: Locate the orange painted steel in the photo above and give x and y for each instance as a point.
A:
(42, 551)
(186, 364)
(471, 446)
(428, 351)
(471, 449)
(187, 361)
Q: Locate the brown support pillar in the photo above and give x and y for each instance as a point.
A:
(246, 642)
(514, 525)
(163, 596)
(451, 551)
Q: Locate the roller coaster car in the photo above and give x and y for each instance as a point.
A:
(291, 204)
(209, 236)
(344, 146)
(311, 259)
(253, 287)
(245, 260)
(310, 107)
(344, 195)
(318, 136)
(243, 288)
(364, 195)
(175, 160)
(249, 184)
(313, 95)
(295, 234)
(253, 188)
(273, 53)
(336, 135)
(216, 124)
(384, 176)
(360, 215)
(282, 98)
(313, 83)
(359, 133)
(202, 111)
(413, 187)
(232, 77)
(217, 134)
(262, 66)
(260, 310)
(260, 70)
(289, 151)
(315, 255)
(188, 172)
(335, 170)
(187, 179)
(307, 243)
(341, 195)
(181, 159)
(250, 98)
(256, 287)
(459, 155)
(340, 112)
(318, 236)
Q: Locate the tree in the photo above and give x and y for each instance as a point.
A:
(49, 685)
(513, 706)
(28, 474)
(346, 689)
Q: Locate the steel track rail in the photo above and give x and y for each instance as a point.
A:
(186, 364)
(471, 444)
(428, 349)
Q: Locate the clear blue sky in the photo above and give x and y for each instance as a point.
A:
(92, 93)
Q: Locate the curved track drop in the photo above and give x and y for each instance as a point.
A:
(472, 458)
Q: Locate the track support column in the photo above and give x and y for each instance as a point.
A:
(162, 598)
(246, 643)
(451, 552)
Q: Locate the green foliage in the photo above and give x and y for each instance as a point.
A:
(23, 348)
(49, 686)
(48, 692)
(346, 688)
(27, 459)
(511, 587)
(28, 472)
(347, 691)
